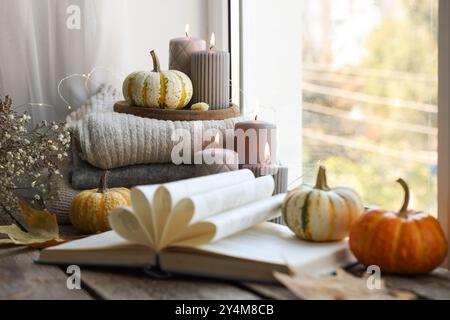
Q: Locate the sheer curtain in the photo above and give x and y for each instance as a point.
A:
(38, 49)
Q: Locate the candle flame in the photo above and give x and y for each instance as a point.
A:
(217, 138)
(212, 42)
(267, 153)
(186, 30)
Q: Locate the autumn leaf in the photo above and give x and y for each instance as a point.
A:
(342, 286)
(42, 228)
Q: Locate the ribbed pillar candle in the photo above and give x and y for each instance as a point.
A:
(210, 75)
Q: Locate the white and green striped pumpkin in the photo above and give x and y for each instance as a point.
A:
(321, 213)
(158, 89)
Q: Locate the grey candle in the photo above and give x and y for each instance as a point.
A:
(180, 51)
(210, 75)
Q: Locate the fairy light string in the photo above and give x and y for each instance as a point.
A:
(87, 77)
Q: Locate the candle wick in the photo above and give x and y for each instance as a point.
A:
(256, 117)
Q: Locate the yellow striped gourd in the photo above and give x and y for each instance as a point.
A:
(170, 89)
(90, 208)
(321, 213)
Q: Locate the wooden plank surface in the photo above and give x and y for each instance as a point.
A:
(275, 292)
(432, 286)
(177, 115)
(21, 278)
(134, 284)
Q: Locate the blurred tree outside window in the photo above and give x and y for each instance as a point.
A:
(370, 97)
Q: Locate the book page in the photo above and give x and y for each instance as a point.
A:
(126, 224)
(141, 200)
(104, 249)
(220, 200)
(229, 222)
(152, 204)
(199, 207)
(273, 243)
(102, 241)
(168, 195)
(245, 217)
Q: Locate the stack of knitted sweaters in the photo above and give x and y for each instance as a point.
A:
(136, 150)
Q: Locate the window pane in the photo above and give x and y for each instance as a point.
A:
(271, 72)
(370, 97)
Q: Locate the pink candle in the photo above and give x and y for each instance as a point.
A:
(251, 140)
(181, 49)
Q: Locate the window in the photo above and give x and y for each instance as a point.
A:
(352, 84)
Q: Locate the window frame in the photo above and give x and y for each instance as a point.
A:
(444, 119)
(223, 19)
(234, 8)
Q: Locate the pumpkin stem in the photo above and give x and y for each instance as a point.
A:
(404, 209)
(156, 66)
(321, 181)
(103, 187)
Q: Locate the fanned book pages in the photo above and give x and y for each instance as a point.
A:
(210, 226)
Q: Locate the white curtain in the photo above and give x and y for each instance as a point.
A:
(38, 49)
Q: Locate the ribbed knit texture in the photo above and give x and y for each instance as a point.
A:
(110, 140)
(61, 204)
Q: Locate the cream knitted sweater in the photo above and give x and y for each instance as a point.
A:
(110, 140)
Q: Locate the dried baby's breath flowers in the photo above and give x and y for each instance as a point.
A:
(29, 157)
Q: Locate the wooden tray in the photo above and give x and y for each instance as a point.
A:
(177, 115)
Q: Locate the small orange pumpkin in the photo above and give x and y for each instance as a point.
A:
(405, 242)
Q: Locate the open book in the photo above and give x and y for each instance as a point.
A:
(211, 226)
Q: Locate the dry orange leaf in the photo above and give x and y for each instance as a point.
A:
(42, 228)
(342, 286)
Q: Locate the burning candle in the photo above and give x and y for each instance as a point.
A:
(210, 75)
(251, 139)
(181, 49)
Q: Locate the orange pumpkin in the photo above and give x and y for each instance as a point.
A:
(405, 242)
